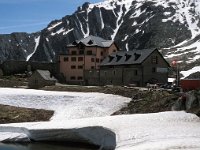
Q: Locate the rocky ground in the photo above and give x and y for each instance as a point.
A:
(9, 114)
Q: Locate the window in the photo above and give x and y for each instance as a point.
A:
(80, 58)
(137, 56)
(74, 43)
(36, 81)
(118, 57)
(101, 53)
(92, 59)
(73, 59)
(136, 73)
(110, 58)
(80, 67)
(114, 72)
(97, 60)
(80, 78)
(73, 52)
(92, 67)
(73, 78)
(73, 67)
(81, 46)
(90, 42)
(153, 70)
(105, 73)
(89, 52)
(65, 59)
(154, 59)
(81, 52)
(127, 57)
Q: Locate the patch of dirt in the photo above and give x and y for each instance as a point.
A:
(10, 114)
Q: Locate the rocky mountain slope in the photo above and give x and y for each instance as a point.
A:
(17, 46)
(170, 25)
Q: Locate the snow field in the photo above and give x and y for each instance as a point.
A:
(67, 105)
(158, 131)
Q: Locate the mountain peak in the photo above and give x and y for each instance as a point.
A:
(173, 25)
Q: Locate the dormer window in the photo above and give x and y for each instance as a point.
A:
(81, 46)
(74, 43)
(118, 57)
(90, 42)
(110, 58)
(127, 57)
(137, 56)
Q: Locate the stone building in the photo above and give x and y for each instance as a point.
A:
(83, 56)
(137, 67)
(41, 78)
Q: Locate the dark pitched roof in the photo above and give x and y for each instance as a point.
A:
(46, 75)
(127, 57)
(92, 41)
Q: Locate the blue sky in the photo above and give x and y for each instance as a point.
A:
(34, 15)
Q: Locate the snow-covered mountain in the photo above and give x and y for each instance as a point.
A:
(170, 25)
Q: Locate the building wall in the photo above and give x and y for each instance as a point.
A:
(91, 59)
(132, 75)
(36, 81)
(150, 73)
(138, 75)
(92, 77)
(111, 76)
(121, 75)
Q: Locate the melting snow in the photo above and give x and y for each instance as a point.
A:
(37, 40)
(125, 38)
(69, 105)
(158, 131)
(102, 22)
(64, 33)
(55, 25)
(111, 5)
(58, 32)
(188, 72)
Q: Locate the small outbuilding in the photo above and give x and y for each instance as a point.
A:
(41, 78)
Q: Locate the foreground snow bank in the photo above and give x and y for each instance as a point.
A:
(159, 131)
(67, 105)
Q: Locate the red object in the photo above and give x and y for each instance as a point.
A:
(190, 84)
(174, 63)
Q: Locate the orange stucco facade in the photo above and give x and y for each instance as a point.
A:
(78, 60)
